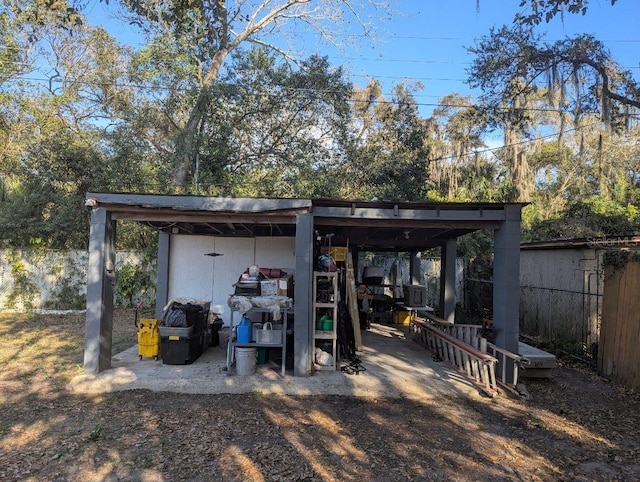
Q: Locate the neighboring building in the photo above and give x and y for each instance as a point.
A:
(562, 286)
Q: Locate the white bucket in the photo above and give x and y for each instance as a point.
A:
(245, 361)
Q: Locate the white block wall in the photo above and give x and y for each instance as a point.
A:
(194, 275)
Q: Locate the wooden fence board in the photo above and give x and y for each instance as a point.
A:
(618, 354)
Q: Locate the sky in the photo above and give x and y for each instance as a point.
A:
(427, 41)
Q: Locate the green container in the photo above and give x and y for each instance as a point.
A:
(326, 323)
(262, 356)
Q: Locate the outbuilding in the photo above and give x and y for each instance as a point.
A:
(282, 233)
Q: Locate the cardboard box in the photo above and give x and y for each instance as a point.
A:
(285, 286)
(269, 287)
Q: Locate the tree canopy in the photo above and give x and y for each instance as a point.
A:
(538, 11)
(204, 33)
(216, 102)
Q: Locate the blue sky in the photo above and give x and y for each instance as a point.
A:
(426, 43)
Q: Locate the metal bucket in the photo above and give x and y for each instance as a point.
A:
(245, 361)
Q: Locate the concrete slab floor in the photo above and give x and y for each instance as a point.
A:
(396, 366)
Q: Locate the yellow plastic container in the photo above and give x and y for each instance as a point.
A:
(149, 338)
(402, 317)
(338, 253)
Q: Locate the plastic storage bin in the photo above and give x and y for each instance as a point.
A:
(181, 350)
(181, 345)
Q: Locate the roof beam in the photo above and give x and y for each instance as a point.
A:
(199, 203)
(409, 223)
(212, 228)
(246, 228)
(177, 216)
(437, 213)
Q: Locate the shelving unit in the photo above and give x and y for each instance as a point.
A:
(233, 342)
(325, 302)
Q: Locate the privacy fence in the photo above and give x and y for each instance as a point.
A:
(618, 354)
(57, 280)
(52, 279)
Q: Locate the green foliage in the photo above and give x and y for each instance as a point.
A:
(387, 155)
(477, 249)
(24, 289)
(66, 296)
(591, 217)
(545, 10)
(136, 281)
(300, 115)
(619, 258)
(68, 293)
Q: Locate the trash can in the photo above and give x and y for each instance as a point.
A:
(245, 361)
(215, 328)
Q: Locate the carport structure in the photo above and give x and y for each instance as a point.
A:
(410, 227)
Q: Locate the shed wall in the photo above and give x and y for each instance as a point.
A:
(561, 291)
(194, 275)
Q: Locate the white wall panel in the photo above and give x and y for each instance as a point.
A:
(194, 275)
(276, 253)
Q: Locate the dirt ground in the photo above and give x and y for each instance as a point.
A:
(576, 427)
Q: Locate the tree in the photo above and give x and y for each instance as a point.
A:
(23, 23)
(209, 31)
(273, 131)
(538, 10)
(56, 122)
(458, 127)
(389, 153)
(576, 75)
(573, 80)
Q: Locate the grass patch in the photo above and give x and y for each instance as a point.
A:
(38, 347)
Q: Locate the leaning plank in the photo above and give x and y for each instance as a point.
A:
(352, 299)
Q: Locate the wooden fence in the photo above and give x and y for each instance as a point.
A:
(619, 348)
